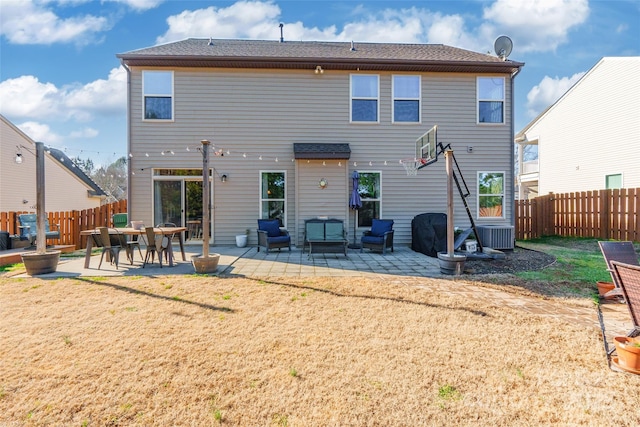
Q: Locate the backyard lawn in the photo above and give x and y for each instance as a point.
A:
(194, 350)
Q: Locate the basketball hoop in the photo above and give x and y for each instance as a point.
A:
(412, 165)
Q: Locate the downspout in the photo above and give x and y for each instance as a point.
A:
(129, 168)
(513, 159)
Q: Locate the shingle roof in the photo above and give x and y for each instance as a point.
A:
(321, 151)
(66, 163)
(309, 54)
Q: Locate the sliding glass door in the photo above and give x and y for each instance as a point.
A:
(177, 199)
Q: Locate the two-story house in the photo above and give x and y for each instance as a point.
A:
(290, 121)
(589, 139)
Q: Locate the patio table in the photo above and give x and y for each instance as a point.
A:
(165, 231)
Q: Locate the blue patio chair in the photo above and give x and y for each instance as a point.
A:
(380, 237)
(271, 236)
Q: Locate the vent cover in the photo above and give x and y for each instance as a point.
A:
(497, 236)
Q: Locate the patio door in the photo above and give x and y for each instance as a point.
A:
(178, 200)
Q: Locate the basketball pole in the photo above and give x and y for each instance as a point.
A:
(450, 241)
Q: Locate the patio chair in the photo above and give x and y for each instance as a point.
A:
(112, 242)
(617, 251)
(628, 276)
(156, 244)
(271, 236)
(28, 231)
(380, 237)
(120, 220)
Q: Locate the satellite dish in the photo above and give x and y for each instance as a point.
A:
(503, 46)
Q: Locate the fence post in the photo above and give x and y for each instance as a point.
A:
(605, 213)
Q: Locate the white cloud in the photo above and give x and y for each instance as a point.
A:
(260, 20)
(243, 19)
(140, 5)
(84, 133)
(44, 101)
(29, 22)
(40, 132)
(534, 25)
(100, 96)
(27, 97)
(548, 91)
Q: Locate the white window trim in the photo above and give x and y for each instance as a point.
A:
(379, 199)
(503, 100)
(144, 95)
(478, 195)
(351, 98)
(394, 99)
(260, 199)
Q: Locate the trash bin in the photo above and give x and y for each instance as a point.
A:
(4, 240)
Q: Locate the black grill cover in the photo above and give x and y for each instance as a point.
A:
(429, 233)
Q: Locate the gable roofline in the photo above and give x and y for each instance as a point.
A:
(235, 53)
(65, 162)
(520, 136)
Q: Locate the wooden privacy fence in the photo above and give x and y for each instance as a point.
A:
(601, 214)
(70, 223)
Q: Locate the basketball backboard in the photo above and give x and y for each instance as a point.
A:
(426, 147)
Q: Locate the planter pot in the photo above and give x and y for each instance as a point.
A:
(453, 265)
(628, 353)
(204, 265)
(604, 287)
(36, 263)
(241, 240)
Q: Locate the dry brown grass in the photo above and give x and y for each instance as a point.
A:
(295, 352)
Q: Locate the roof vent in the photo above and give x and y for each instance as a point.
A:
(210, 42)
(281, 34)
(353, 48)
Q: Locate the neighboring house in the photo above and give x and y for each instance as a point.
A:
(66, 187)
(590, 138)
(291, 121)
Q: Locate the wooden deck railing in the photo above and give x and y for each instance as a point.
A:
(601, 214)
(70, 223)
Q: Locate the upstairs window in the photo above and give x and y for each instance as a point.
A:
(490, 194)
(157, 89)
(490, 92)
(365, 91)
(406, 99)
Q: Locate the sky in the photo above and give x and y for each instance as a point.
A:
(61, 83)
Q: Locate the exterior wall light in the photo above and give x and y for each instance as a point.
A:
(319, 70)
(224, 177)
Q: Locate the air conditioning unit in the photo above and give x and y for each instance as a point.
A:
(497, 236)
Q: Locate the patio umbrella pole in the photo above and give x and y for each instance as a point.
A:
(355, 203)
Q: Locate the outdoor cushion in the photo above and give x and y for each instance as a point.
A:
(271, 226)
(278, 239)
(315, 230)
(373, 240)
(381, 226)
(334, 230)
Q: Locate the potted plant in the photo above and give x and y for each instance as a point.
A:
(241, 239)
(628, 350)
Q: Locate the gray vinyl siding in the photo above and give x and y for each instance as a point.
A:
(263, 112)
